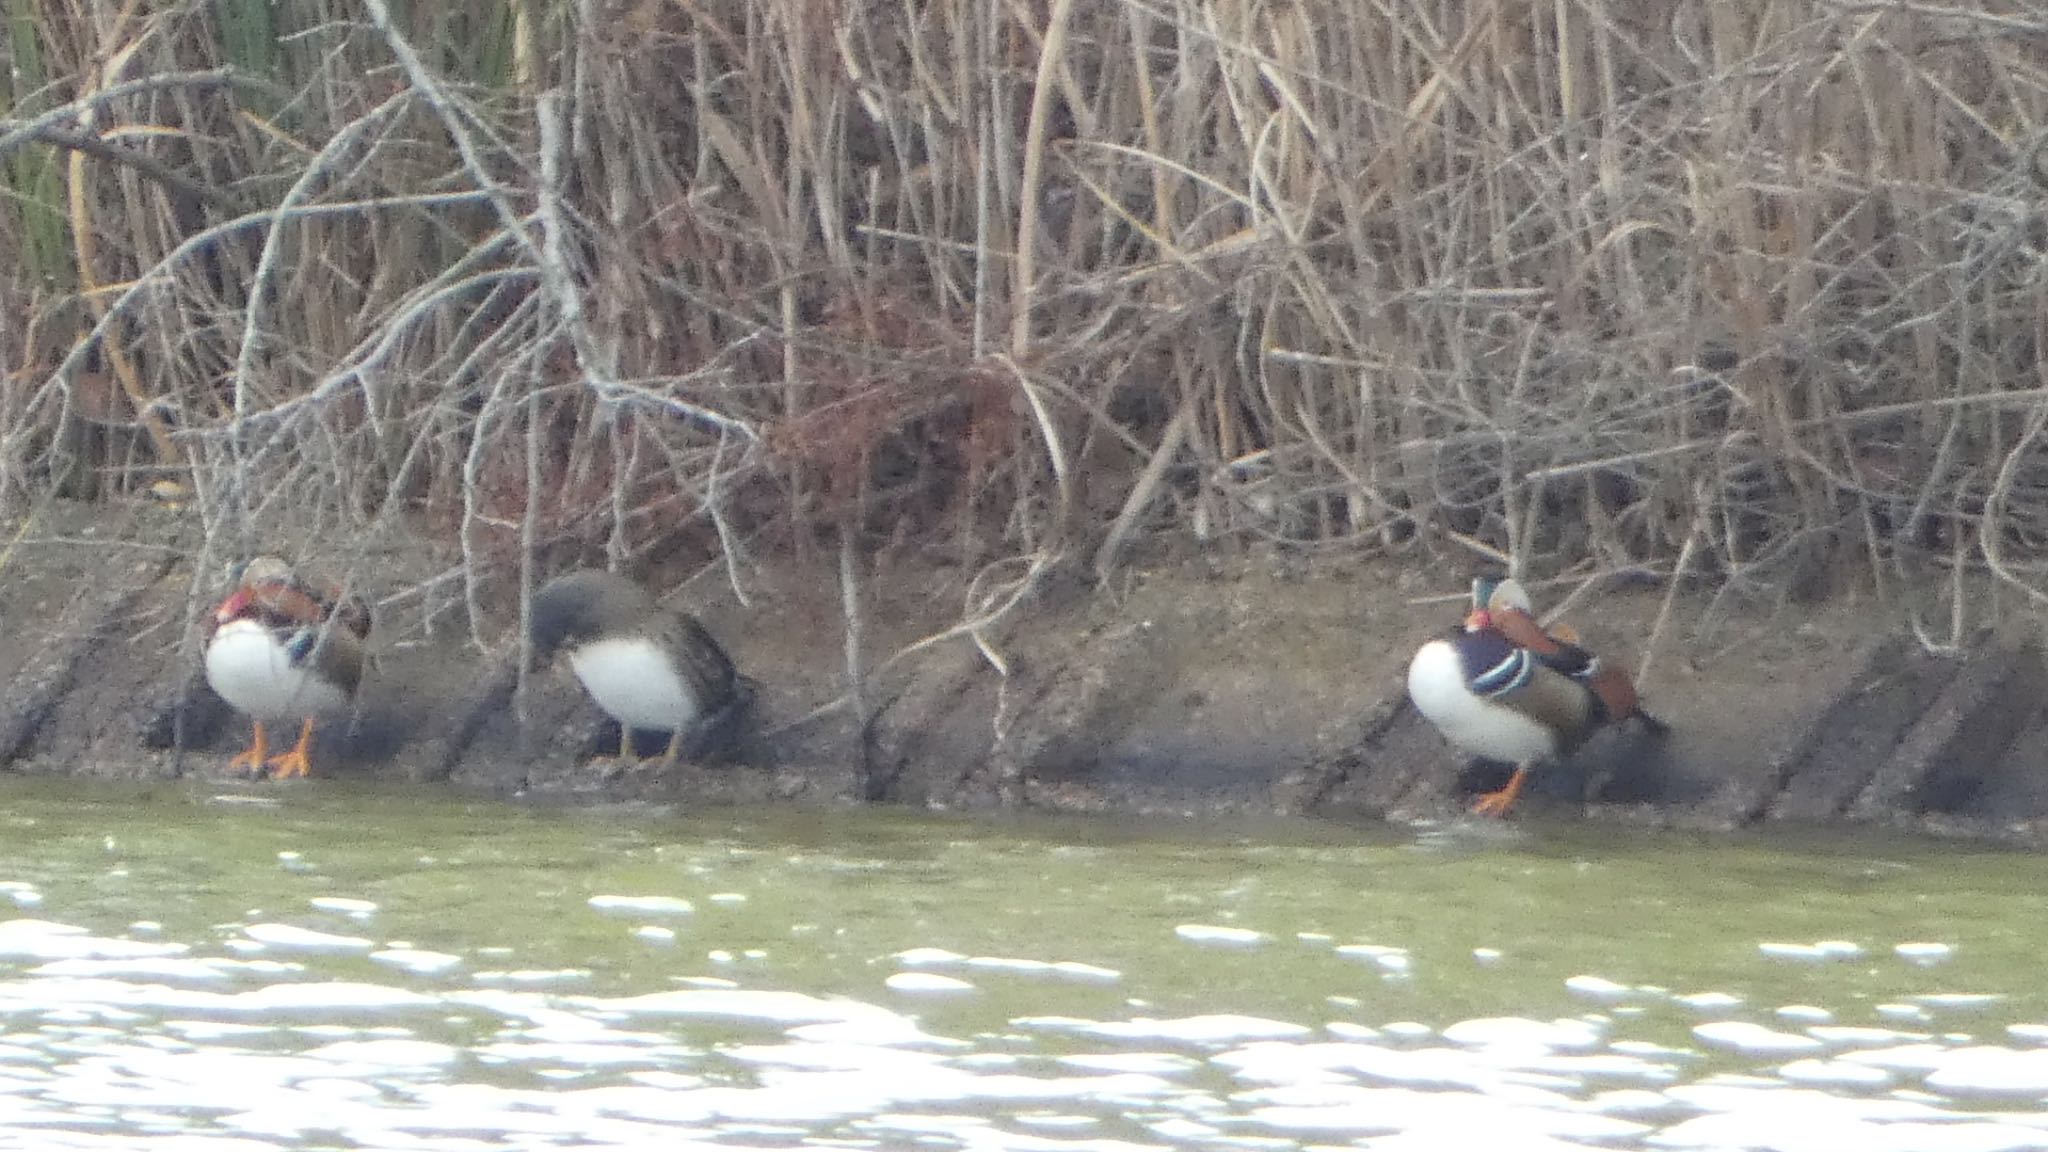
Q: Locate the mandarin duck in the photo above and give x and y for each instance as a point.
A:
(645, 665)
(282, 649)
(1502, 687)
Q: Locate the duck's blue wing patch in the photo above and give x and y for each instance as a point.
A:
(300, 643)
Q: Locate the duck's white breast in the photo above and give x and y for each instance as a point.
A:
(252, 671)
(1436, 682)
(636, 684)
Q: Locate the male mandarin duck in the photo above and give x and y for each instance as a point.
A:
(646, 666)
(1503, 688)
(284, 650)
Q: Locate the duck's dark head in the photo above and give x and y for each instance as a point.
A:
(561, 619)
(580, 607)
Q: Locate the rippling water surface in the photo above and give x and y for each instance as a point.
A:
(210, 968)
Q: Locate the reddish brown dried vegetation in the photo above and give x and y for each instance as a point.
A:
(1753, 283)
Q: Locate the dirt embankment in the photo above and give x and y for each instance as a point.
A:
(1205, 687)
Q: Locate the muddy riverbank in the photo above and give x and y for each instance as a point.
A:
(1196, 686)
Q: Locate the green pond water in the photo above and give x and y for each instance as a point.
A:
(218, 967)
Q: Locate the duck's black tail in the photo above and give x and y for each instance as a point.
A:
(718, 735)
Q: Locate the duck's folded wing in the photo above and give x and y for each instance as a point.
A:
(1558, 654)
(1510, 676)
(332, 651)
(1571, 660)
(704, 661)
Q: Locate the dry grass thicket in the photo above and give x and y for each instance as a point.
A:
(1752, 288)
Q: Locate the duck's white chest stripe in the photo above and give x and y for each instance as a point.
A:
(254, 672)
(635, 683)
(1513, 671)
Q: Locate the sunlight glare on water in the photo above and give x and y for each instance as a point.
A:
(342, 967)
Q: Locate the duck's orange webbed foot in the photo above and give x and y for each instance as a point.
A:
(295, 763)
(671, 755)
(250, 760)
(613, 763)
(1497, 804)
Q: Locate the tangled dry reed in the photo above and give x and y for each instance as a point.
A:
(1751, 288)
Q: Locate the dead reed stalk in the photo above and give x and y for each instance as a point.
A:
(1583, 285)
